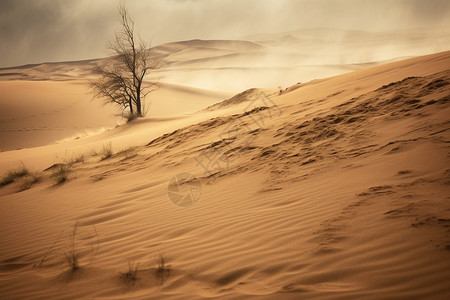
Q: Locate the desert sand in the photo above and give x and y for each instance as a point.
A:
(328, 188)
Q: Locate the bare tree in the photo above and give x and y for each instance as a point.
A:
(121, 79)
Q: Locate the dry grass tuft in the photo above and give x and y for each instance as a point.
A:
(93, 152)
(131, 274)
(77, 158)
(128, 153)
(73, 253)
(106, 151)
(60, 174)
(12, 175)
(30, 181)
(162, 270)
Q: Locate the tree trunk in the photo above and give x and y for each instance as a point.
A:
(138, 104)
(139, 109)
(130, 104)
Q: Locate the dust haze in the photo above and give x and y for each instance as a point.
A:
(38, 31)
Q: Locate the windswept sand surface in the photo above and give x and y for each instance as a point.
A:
(335, 188)
(46, 103)
(45, 106)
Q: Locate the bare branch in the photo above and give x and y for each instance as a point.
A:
(121, 80)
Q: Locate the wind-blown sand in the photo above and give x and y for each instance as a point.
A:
(335, 188)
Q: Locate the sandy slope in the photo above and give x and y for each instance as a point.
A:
(44, 111)
(339, 191)
(44, 103)
(36, 113)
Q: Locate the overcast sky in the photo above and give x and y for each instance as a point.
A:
(33, 31)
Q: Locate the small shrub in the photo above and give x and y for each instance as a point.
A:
(12, 175)
(106, 152)
(60, 174)
(33, 178)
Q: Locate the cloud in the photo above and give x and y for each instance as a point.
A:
(34, 31)
(45, 30)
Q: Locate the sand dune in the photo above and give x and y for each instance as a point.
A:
(38, 113)
(44, 103)
(265, 60)
(283, 59)
(334, 188)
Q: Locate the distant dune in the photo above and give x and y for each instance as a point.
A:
(44, 103)
(330, 188)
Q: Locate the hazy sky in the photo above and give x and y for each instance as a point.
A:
(33, 31)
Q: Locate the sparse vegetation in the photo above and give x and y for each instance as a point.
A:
(60, 174)
(12, 175)
(133, 269)
(129, 152)
(106, 151)
(47, 255)
(77, 158)
(93, 152)
(32, 179)
(72, 252)
(162, 270)
(162, 267)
